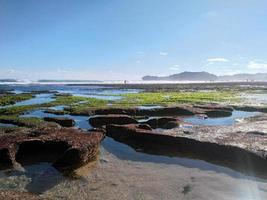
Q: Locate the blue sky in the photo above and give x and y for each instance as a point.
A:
(126, 39)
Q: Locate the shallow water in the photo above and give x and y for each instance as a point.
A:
(75, 90)
(104, 97)
(7, 125)
(255, 99)
(80, 121)
(36, 178)
(125, 152)
(43, 178)
(38, 99)
(100, 92)
(236, 115)
(58, 107)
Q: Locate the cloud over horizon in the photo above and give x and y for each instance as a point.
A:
(217, 60)
(254, 65)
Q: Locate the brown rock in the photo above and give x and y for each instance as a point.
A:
(171, 125)
(63, 121)
(145, 127)
(214, 107)
(116, 111)
(218, 113)
(166, 111)
(251, 108)
(102, 120)
(67, 148)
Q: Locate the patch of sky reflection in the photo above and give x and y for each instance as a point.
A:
(7, 125)
(38, 99)
(236, 115)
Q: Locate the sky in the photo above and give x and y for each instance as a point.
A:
(127, 39)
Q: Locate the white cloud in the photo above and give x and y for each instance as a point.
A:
(162, 53)
(217, 60)
(175, 67)
(257, 65)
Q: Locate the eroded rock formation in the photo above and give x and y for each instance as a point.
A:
(67, 148)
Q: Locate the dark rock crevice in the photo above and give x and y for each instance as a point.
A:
(37, 151)
(6, 162)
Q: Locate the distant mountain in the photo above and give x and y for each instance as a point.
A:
(205, 76)
(184, 76)
(67, 81)
(8, 80)
(244, 77)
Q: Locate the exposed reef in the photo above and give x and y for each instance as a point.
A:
(242, 146)
(103, 120)
(66, 148)
(182, 110)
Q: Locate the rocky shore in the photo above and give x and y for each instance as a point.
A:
(159, 130)
(242, 146)
(66, 148)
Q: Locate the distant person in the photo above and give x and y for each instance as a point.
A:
(125, 82)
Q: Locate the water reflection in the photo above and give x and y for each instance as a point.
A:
(7, 125)
(158, 152)
(222, 121)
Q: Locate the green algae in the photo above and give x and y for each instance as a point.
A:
(10, 99)
(66, 100)
(167, 98)
(21, 121)
(76, 105)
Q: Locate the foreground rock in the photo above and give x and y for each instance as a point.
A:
(62, 121)
(103, 120)
(242, 146)
(66, 148)
(15, 195)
